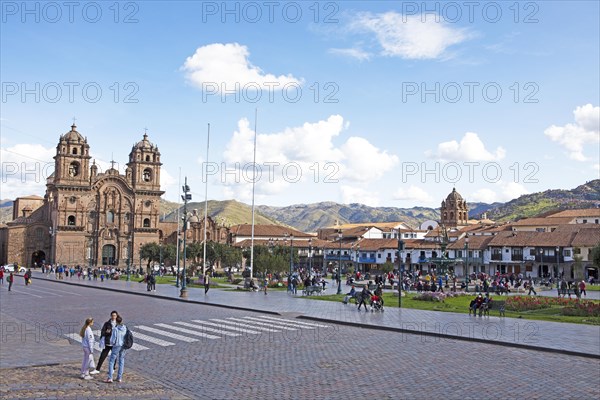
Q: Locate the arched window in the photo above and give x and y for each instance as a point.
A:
(147, 158)
(71, 220)
(74, 168)
(147, 175)
(146, 222)
(74, 151)
(110, 217)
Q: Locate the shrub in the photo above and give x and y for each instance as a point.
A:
(430, 296)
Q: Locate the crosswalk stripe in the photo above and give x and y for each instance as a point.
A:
(234, 328)
(280, 322)
(229, 322)
(77, 338)
(205, 328)
(160, 342)
(296, 322)
(264, 324)
(136, 347)
(168, 334)
(188, 331)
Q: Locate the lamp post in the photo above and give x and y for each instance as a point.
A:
(291, 251)
(309, 256)
(339, 273)
(400, 270)
(467, 264)
(177, 261)
(128, 259)
(52, 232)
(186, 196)
(140, 254)
(557, 260)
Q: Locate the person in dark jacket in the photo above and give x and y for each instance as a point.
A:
(105, 334)
(365, 295)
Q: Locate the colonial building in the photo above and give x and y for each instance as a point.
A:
(87, 217)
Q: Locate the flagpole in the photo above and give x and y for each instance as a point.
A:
(178, 217)
(205, 201)
(253, 185)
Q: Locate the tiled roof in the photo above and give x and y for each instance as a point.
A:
(267, 231)
(357, 231)
(377, 244)
(380, 225)
(585, 212)
(587, 238)
(547, 221)
(533, 239)
(476, 242)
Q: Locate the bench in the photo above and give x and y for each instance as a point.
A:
(308, 290)
(492, 305)
(356, 298)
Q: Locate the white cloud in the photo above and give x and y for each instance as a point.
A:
(574, 137)
(227, 65)
(505, 191)
(470, 148)
(364, 161)
(352, 194)
(408, 36)
(25, 168)
(356, 53)
(307, 150)
(413, 194)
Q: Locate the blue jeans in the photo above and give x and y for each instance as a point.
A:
(117, 351)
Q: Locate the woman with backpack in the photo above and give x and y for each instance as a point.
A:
(117, 341)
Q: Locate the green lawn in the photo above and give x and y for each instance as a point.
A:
(460, 304)
(593, 288)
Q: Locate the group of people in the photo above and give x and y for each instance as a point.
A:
(112, 340)
(10, 279)
(366, 297)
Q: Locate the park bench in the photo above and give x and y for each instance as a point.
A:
(492, 305)
(308, 290)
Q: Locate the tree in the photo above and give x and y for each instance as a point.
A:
(595, 255)
(387, 267)
(150, 252)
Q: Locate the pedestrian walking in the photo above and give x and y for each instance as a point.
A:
(105, 335)
(87, 344)
(1, 276)
(365, 295)
(531, 289)
(117, 340)
(582, 288)
(27, 277)
(206, 282)
(10, 279)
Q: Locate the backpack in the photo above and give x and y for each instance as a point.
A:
(128, 340)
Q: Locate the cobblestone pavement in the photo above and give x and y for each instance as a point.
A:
(511, 331)
(208, 352)
(59, 381)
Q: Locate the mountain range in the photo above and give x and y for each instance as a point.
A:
(310, 217)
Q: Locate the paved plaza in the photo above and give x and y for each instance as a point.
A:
(248, 345)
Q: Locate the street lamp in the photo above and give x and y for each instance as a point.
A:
(339, 273)
(291, 251)
(557, 260)
(128, 259)
(309, 256)
(186, 196)
(467, 264)
(400, 270)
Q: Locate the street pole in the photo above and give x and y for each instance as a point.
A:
(309, 256)
(467, 264)
(400, 271)
(128, 260)
(186, 197)
(339, 273)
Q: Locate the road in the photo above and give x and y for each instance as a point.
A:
(202, 351)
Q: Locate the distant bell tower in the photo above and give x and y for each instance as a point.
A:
(144, 165)
(72, 159)
(454, 211)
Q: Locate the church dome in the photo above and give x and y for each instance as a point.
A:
(144, 144)
(73, 135)
(454, 196)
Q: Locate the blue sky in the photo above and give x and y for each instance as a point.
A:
(496, 104)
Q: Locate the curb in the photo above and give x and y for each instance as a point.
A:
(451, 337)
(162, 297)
(346, 323)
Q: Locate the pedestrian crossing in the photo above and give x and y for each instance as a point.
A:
(171, 334)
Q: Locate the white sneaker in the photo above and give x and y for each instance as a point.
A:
(94, 372)
(86, 377)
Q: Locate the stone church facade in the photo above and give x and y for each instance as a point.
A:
(87, 217)
(93, 218)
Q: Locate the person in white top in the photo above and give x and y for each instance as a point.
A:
(87, 344)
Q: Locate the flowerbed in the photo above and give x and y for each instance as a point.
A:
(573, 307)
(583, 309)
(430, 296)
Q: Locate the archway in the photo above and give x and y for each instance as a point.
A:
(38, 258)
(109, 254)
